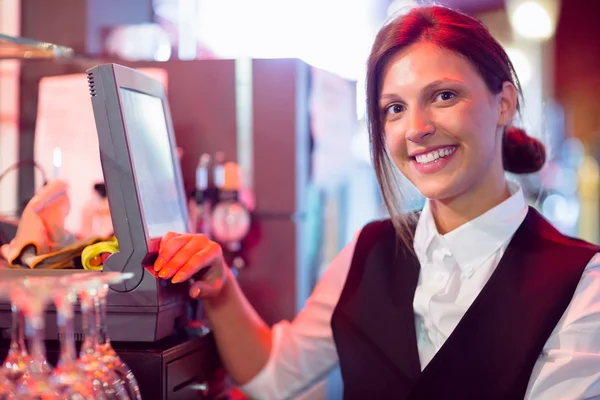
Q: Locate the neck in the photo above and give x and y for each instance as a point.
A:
(449, 214)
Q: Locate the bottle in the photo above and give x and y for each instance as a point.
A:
(202, 194)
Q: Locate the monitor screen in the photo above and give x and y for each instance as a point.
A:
(153, 164)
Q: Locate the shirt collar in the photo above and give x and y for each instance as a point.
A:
(474, 242)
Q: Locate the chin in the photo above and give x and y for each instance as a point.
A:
(437, 192)
(439, 188)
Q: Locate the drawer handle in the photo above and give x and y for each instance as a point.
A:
(201, 387)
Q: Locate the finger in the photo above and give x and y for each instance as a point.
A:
(198, 261)
(163, 244)
(168, 236)
(204, 290)
(169, 248)
(195, 244)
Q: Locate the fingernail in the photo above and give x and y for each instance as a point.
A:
(159, 264)
(163, 273)
(178, 278)
(195, 292)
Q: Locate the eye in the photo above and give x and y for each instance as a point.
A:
(445, 96)
(393, 109)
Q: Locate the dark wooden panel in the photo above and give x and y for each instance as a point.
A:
(275, 280)
(281, 137)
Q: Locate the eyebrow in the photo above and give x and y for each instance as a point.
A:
(430, 86)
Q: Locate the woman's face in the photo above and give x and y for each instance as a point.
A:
(443, 127)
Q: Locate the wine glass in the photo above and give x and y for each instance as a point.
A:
(7, 387)
(17, 360)
(31, 295)
(105, 380)
(104, 348)
(69, 375)
(98, 344)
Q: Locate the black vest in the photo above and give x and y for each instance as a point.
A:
(491, 352)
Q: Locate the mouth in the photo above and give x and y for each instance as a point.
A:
(431, 156)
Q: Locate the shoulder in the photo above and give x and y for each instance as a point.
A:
(385, 237)
(371, 236)
(376, 228)
(374, 235)
(546, 231)
(387, 227)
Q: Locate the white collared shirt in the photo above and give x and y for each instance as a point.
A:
(454, 269)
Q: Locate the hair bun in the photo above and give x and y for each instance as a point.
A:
(521, 153)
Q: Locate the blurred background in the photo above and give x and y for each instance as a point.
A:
(277, 86)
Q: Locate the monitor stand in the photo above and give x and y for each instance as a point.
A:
(176, 367)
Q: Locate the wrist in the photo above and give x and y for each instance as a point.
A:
(214, 303)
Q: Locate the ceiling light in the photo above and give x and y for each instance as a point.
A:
(533, 19)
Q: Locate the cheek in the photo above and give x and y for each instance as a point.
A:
(484, 137)
(474, 128)
(395, 141)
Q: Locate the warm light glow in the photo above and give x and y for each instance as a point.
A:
(332, 35)
(360, 145)
(521, 64)
(561, 210)
(56, 162)
(66, 141)
(336, 38)
(533, 19)
(400, 7)
(139, 42)
(10, 18)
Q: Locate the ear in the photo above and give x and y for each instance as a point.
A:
(508, 104)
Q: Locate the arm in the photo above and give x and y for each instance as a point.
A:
(303, 351)
(243, 338)
(569, 366)
(270, 363)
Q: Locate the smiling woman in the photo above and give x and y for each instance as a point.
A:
(441, 95)
(480, 299)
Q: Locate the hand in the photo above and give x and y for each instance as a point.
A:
(181, 256)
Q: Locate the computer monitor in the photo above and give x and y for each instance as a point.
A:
(140, 165)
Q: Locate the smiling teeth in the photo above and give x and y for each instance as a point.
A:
(434, 155)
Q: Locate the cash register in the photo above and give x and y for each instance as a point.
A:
(146, 316)
(146, 198)
(145, 192)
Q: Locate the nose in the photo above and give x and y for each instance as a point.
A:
(419, 125)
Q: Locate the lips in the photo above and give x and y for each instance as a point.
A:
(433, 160)
(432, 155)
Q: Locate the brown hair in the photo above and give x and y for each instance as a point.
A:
(464, 35)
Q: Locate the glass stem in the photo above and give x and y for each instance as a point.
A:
(14, 332)
(35, 335)
(64, 321)
(21, 332)
(100, 305)
(89, 326)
